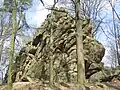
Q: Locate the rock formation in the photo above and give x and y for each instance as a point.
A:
(33, 59)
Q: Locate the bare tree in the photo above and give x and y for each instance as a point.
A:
(79, 37)
(114, 33)
(14, 31)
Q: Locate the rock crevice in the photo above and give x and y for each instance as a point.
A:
(33, 59)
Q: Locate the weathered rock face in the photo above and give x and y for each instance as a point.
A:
(33, 60)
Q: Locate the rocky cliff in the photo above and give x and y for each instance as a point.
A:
(32, 63)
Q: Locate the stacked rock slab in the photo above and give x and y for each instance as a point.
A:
(33, 59)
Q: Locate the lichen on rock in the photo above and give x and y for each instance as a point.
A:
(34, 58)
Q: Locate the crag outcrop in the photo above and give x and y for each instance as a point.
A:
(33, 59)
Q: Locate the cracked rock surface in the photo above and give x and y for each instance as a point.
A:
(33, 59)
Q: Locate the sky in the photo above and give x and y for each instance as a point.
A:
(37, 14)
(105, 40)
(1, 3)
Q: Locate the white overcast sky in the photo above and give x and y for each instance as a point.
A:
(37, 14)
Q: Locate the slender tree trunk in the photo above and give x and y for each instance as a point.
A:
(2, 42)
(1, 49)
(79, 37)
(1, 46)
(14, 30)
(116, 41)
(51, 58)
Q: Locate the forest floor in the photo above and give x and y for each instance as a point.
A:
(114, 85)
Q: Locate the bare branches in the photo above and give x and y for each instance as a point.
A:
(73, 2)
(42, 2)
(114, 10)
(55, 2)
(96, 29)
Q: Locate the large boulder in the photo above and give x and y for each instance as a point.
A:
(33, 59)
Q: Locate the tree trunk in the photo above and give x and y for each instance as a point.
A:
(2, 42)
(79, 37)
(51, 58)
(14, 31)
